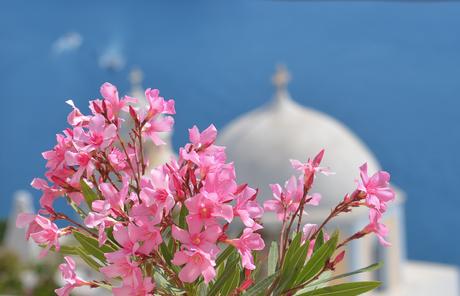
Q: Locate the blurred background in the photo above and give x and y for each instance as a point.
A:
(387, 70)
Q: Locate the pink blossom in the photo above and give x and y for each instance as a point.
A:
(135, 286)
(287, 200)
(247, 208)
(203, 210)
(308, 230)
(142, 214)
(85, 163)
(155, 120)
(195, 238)
(137, 239)
(76, 118)
(220, 184)
(248, 242)
(312, 165)
(203, 139)
(41, 230)
(117, 159)
(113, 103)
(377, 188)
(70, 277)
(50, 193)
(380, 230)
(156, 189)
(197, 262)
(104, 211)
(121, 265)
(98, 136)
(56, 156)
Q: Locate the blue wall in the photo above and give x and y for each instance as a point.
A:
(389, 70)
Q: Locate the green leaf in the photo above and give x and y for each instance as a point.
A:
(88, 193)
(183, 213)
(318, 259)
(64, 249)
(88, 260)
(91, 246)
(261, 286)
(369, 268)
(292, 267)
(227, 274)
(165, 252)
(319, 241)
(292, 249)
(231, 285)
(348, 289)
(224, 255)
(272, 258)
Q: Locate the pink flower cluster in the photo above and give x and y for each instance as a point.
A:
(187, 203)
(138, 206)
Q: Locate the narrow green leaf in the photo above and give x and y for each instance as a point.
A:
(348, 289)
(231, 283)
(292, 249)
(224, 255)
(369, 268)
(88, 260)
(318, 259)
(291, 270)
(183, 213)
(64, 249)
(91, 246)
(88, 193)
(261, 286)
(230, 267)
(319, 241)
(165, 252)
(272, 258)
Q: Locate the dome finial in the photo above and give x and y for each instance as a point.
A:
(136, 77)
(281, 79)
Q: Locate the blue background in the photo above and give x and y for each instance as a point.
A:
(389, 70)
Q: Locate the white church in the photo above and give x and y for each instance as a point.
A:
(261, 143)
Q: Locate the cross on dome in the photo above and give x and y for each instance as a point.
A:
(281, 78)
(135, 77)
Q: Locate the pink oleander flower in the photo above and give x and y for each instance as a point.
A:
(76, 118)
(247, 208)
(137, 239)
(99, 134)
(85, 163)
(50, 193)
(121, 265)
(117, 159)
(380, 230)
(156, 189)
(105, 211)
(156, 122)
(202, 150)
(69, 275)
(41, 230)
(203, 139)
(248, 242)
(113, 103)
(287, 200)
(56, 157)
(204, 211)
(308, 230)
(196, 238)
(135, 286)
(197, 263)
(377, 188)
(312, 165)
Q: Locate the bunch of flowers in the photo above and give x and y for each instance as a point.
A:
(166, 230)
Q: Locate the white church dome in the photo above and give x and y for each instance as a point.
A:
(262, 142)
